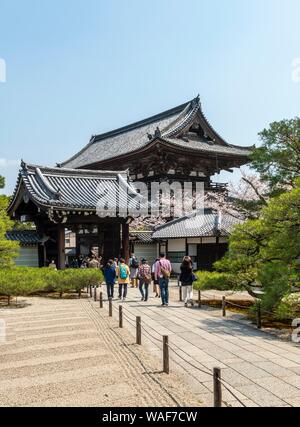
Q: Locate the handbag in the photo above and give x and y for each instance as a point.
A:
(166, 273)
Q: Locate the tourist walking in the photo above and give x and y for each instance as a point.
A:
(162, 273)
(110, 277)
(134, 265)
(155, 281)
(186, 278)
(144, 275)
(123, 273)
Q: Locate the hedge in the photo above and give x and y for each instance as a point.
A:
(23, 281)
(212, 280)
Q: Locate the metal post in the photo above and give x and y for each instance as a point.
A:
(91, 292)
(199, 298)
(101, 300)
(138, 330)
(217, 388)
(110, 306)
(223, 306)
(95, 293)
(258, 315)
(166, 362)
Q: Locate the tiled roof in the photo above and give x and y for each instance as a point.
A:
(198, 146)
(166, 126)
(24, 237)
(70, 189)
(141, 237)
(211, 224)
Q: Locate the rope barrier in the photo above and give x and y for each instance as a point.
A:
(183, 351)
(273, 314)
(157, 339)
(129, 321)
(236, 305)
(175, 350)
(231, 392)
(152, 336)
(189, 363)
(127, 317)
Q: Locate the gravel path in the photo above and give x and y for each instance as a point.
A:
(69, 353)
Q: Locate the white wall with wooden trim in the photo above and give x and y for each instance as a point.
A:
(28, 256)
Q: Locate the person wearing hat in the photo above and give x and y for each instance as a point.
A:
(144, 274)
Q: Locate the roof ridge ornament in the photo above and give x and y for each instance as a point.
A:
(157, 132)
(196, 101)
(55, 192)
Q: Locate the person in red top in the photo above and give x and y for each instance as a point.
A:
(144, 275)
(162, 273)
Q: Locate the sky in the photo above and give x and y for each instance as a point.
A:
(74, 68)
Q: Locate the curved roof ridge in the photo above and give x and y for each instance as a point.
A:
(140, 123)
(135, 125)
(184, 120)
(46, 183)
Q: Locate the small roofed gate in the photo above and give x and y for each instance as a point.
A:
(57, 198)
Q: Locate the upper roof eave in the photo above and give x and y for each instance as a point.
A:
(184, 115)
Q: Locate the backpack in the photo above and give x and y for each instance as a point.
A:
(134, 263)
(123, 271)
(147, 277)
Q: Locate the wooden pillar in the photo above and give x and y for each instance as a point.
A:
(61, 258)
(125, 241)
(112, 241)
(42, 253)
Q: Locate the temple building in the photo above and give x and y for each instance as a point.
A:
(177, 145)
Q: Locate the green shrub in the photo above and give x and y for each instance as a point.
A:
(63, 281)
(20, 282)
(74, 279)
(94, 276)
(275, 278)
(212, 280)
(85, 277)
(289, 307)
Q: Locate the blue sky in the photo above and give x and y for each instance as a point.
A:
(76, 68)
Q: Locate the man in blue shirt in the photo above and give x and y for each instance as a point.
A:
(110, 277)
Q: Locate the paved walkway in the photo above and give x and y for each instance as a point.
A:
(68, 353)
(260, 369)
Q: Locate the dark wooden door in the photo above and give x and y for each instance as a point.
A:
(209, 253)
